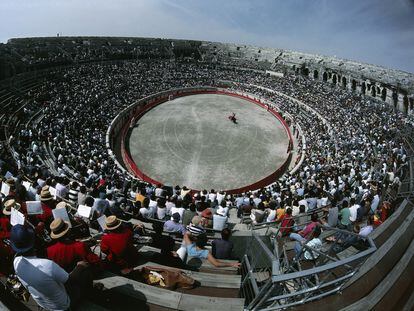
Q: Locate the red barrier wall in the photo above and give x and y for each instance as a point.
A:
(132, 167)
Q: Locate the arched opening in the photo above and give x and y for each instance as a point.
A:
(395, 98)
(305, 71)
(405, 102)
(411, 103)
(373, 91)
(354, 85)
(325, 76)
(315, 74)
(363, 88)
(344, 82)
(334, 79)
(329, 75)
(384, 94)
(378, 90)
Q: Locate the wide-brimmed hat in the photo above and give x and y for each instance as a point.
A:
(11, 182)
(65, 205)
(112, 222)
(8, 205)
(45, 187)
(195, 230)
(22, 238)
(45, 195)
(58, 228)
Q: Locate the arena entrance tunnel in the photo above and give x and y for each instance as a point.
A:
(202, 114)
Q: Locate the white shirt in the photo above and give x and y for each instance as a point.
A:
(220, 197)
(212, 196)
(365, 231)
(45, 281)
(219, 222)
(353, 210)
(161, 212)
(146, 213)
(375, 202)
(315, 243)
(272, 216)
(179, 210)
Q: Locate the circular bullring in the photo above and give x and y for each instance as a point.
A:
(189, 140)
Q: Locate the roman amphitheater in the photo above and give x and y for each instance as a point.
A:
(307, 160)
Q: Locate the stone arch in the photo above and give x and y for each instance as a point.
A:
(334, 79)
(305, 71)
(344, 82)
(395, 98)
(325, 76)
(384, 94)
(405, 102)
(354, 85)
(363, 88)
(373, 91)
(315, 74)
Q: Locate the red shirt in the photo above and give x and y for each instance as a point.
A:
(308, 229)
(4, 228)
(67, 253)
(119, 248)
(6, 259)
(286, 224)
(47, 215)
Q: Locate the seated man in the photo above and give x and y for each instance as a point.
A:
(174, 226)
(117, 244)
(166, 243)
(220, 219)
(66, 252)
(314, 242)
(222, 248)
(50, 286)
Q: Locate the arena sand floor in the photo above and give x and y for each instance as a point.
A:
(190, 141)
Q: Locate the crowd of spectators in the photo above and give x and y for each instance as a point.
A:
(353, 158)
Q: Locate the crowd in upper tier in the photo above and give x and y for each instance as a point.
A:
(354, 157)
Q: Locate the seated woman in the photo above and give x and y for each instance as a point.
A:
(196, 248)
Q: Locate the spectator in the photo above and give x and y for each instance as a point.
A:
(117, 244)
(222, 248)
(220, 219)
(50, 286)
(174, 226)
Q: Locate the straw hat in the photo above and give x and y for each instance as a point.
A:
(8, 205)
(112, 222)
(64, 205)
(59, 228)
(11, 182)
(45, 195)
